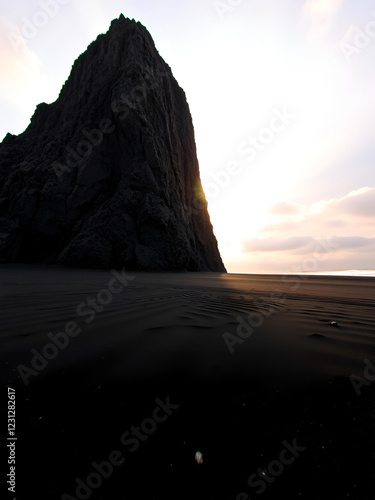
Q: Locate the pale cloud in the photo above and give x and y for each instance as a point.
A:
(317, 16)
(281, 228)
(18, 63)
(276, 245)
(360, 203)
(23, 82)
(351, 242)
(335, 223)
(353, 212)
(306, 245)
(356, 204)
(284, 208)
(288, 243)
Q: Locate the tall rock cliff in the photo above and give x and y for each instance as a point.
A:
(107, 176)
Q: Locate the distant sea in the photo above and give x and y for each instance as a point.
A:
(348, 272)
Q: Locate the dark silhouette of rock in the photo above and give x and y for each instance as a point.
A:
(107, 176)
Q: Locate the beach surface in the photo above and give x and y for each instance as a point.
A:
(121, 377)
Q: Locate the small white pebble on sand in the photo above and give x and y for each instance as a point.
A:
(333, 323)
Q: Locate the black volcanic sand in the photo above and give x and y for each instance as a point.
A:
(161, 337)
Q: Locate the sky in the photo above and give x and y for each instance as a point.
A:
(281, 94)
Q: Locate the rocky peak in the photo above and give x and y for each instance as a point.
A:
(107, 176)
